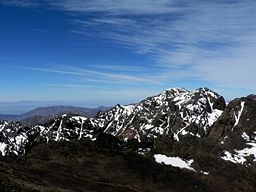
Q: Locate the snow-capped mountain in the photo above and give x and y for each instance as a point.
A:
(16, 138)
(175, 112)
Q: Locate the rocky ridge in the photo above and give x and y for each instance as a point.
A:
(175, 112)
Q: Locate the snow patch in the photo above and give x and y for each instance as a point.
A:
(245, 136)
(174, 161)
(233, 158)
(142, 151)
(212, 117)
(128, 109)
(237, 118)
(176, 137)
(184, 132)
(3, 126)
(148, 126)
(79, 118)
(2, 148)
(240, 155)
(223, 140)
(59, 130)
(204, 172)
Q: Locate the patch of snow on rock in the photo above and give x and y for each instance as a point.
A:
(233, 158)
(248, 151)
(174, 161)
(79, 118)
(245, 136)
(2, 148)
(212, 117)
(237, 118)
(204, 172)
(128, 109)
(239, 156)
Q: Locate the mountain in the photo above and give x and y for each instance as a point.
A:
(7, 117)
(174, 141)
(42, 114)
(59, 110)
(175, 112)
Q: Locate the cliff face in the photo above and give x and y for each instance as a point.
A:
(237, 120)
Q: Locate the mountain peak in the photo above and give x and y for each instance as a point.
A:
(177, 89)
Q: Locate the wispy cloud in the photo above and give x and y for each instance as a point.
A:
(118, 7)
(98, 75)
(20, 3)
(67, 86)
(109, 92)
(212, 41)
(40, 30)
(122, 68)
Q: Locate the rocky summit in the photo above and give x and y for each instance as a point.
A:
(178, 140)
(175, 112)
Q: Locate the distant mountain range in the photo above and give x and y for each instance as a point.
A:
(178, 140)
(43, 114)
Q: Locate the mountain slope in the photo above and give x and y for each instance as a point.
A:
(174, 112)
(85, 166)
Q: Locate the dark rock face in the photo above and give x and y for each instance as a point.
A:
(237, 118)
(235, 130)
(219, 104)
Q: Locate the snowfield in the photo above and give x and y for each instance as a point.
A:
(174, 161)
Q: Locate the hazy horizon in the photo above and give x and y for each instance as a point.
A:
(20, 107)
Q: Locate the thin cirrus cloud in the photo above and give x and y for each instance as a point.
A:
(212, 41)
(97, 75)
(20, 3)
(40, 30)
(121, 68)
(118, 7)
(67, 86)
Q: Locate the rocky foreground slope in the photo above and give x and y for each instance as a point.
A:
(192, 130)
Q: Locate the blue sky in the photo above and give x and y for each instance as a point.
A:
(104, 52)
